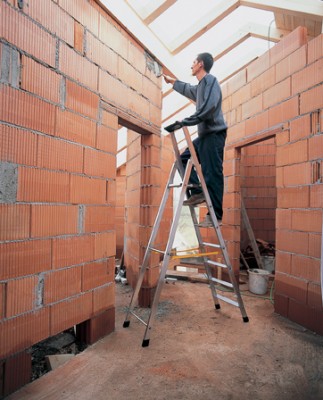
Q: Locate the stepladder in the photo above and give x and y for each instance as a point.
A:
(205, 249)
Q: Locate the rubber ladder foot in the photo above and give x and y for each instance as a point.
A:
(126, 324)
(245, 319)
(217, 306)
(145, 343)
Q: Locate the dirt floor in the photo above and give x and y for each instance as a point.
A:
(195, 352)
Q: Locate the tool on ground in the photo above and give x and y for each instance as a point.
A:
(209, 265)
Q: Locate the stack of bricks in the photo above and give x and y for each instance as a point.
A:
(281, 95)
(69, 73)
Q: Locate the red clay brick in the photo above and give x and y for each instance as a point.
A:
(2, 300)
(82, 12)
(251, 107)
(99, 218)
(103, 298)
(14, 221)
(283, 262)
(59, 155)
(283, 137)
(111, 192)
(315, 47)
(291, 64)
(24, 258)
(291, 286)
(98, 163)
(49, 220)
(155, 114)
(258, 67)
(306, 268)
(17, 372)
(37, 185)
(307, 220)
(75, 128)
(113, 37)
(70, 312)
(23, 109)
(292, 241)
(36, 78)
(17, 145)
(281, 304)
(112, 89)
(315, 245)
(86, 190)
(81, 100)
(101, 54)
(52, 17)
(311, 100)
(308, 77)
(110, 120)
(21, 295)
(284, 111)
(72, 251)
(315, 147)
(151, 91)
(77, 67)
(314, 298)
(18, 29)
(292, 153)
(298, 196)
(283, 218)
(297, 174)
(288, 45)
(97, 274)
(300, 127)
(263, 82)
(61, 284)
(104, 245)
(277, 93)
(316, 196)
(78, 36)
(106, 139)
(19, 333)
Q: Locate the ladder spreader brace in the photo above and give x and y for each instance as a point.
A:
(208, 264)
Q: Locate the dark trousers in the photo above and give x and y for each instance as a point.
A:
(209, 150)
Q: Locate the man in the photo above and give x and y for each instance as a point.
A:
(212, 132)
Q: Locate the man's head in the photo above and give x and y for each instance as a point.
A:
(203, 62)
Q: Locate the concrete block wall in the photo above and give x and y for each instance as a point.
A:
(280, 95)
(68, 75)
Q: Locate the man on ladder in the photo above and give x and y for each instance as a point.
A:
(212, 132)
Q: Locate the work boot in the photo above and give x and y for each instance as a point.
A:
(207, 223)
(194, 200)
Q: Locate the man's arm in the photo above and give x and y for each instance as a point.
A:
(183, 88)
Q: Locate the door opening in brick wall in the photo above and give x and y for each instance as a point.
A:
(259, 194)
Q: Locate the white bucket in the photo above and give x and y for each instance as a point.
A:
(258, 281)
(269, 263)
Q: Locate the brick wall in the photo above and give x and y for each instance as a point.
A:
(69, 75)
(281, 95)
(120, 208)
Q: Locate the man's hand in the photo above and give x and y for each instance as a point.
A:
(169, 79)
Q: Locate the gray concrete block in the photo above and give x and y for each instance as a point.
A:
(8, 182)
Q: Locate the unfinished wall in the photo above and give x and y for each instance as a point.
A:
(69, 74)
(281, 95)
(120, 208)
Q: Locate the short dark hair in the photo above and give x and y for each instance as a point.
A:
(207, 60)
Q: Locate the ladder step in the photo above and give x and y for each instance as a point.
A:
(175, 185)
(227, 300)
(216, 264)
(211, 245)
(138, 318)
(156, 250)
(224, 283)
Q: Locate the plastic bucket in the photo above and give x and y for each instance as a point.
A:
(269, 263)
(258, 281)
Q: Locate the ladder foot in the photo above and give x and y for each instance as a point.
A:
(245, 319)
(217, 306)
(145, 343)
(126, 324)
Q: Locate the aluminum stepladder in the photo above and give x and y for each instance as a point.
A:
(167, 253)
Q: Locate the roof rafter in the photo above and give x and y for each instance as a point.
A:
(152, 9)
(218, 13)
